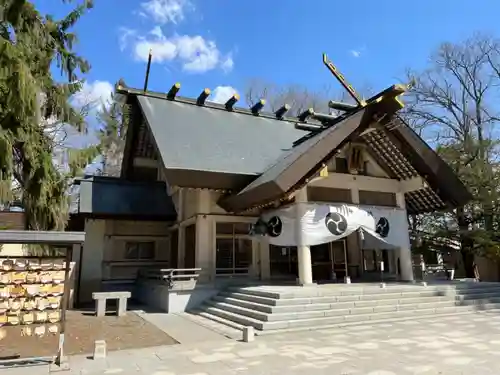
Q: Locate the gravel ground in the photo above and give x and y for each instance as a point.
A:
(82, 329)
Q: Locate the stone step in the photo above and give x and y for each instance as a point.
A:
(324, 304)
(362, 300)
(358, 293)
(250, 298)
(254, 314)
(217, 324)
(385, 304)
(420, 317)
(237, 318)
(235, 300)
(455, 297)
(312, 314)
(332, 320)
(216, 321)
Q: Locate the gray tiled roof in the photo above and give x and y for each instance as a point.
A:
(200, 138)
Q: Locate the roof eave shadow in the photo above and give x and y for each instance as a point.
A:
(266, 192)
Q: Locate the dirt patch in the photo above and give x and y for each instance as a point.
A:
(82, 329)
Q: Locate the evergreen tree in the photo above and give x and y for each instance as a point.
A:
(111, 137)
(30, 44)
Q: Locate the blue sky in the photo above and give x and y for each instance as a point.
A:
(222, 43)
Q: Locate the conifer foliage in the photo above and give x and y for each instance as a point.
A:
(112, 137)
(31, 44)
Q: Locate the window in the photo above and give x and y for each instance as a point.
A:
(233, 228)
(233, 248)
(190, 246)
(139, 250)
(339, 252)
(370, 260)
(224, 258)
(341, 165)
(242, 253)
(320, 253)
(377, 198)
(283, 261)
(322, 194)
(174, 248)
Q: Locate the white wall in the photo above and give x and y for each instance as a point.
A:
(91, 258)
(103, 255)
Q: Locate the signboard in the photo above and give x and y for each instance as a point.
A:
(31, 294)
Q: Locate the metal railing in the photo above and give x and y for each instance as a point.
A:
(172, 277)
(433, 272)
(126, 271)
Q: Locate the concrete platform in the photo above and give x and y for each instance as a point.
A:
(274, 308)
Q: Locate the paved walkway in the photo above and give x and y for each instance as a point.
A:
(183, 328)
(465, 344)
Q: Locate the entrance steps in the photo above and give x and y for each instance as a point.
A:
(274, 309)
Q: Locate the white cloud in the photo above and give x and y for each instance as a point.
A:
(97, 91)
(221, 94)
(228, 64)
(166, 11)
(125, 35)
(196, 54)
(163, 49)
(355, 53)
(358, 52)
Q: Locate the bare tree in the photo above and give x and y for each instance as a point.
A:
(453, 105)
(298, 97)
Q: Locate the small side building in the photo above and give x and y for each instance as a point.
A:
(127, 228)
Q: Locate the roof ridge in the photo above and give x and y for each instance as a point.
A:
(213, 105)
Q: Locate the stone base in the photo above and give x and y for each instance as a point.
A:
(307, 284)
(63, 366)
(99, 349)
(248, 334)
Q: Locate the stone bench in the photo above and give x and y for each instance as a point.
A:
(102, 297)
